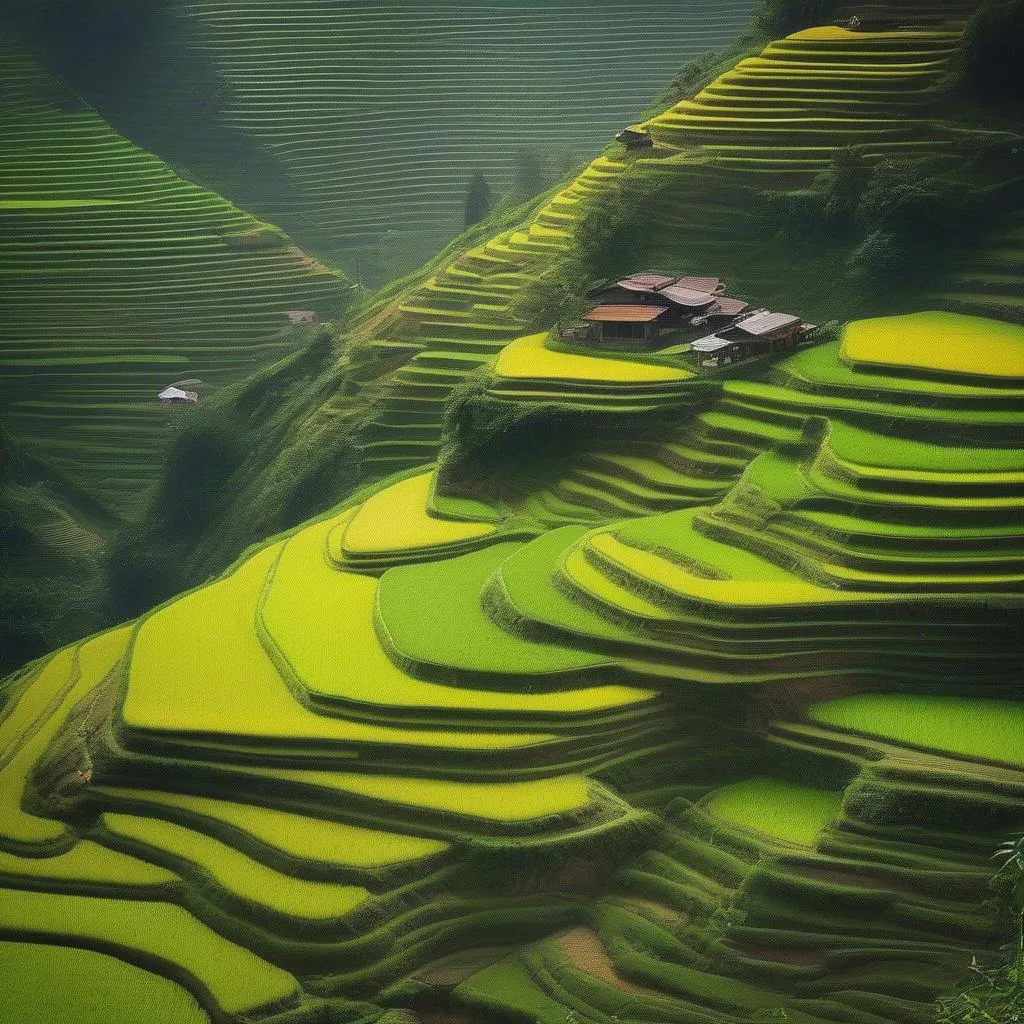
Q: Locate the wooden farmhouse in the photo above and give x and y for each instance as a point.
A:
(635, 311)
(760, 333)
(614, 325)
(635, 137)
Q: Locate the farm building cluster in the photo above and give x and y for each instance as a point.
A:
(637, 312)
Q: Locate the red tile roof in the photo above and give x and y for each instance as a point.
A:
(625, 314)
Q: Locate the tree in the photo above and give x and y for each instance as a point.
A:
(781, 16)
(527, 173)
(993, 50)
(478, 199)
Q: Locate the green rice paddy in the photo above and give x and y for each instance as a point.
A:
(941, 342)
(972, 728)
(298, 836)
(234, 872)
(714, 719)
(781, 810)
(234, 979)
(93, 988)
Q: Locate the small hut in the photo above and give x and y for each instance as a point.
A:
(760, 333)
(175, 396)
(301, 316)
(635, 137)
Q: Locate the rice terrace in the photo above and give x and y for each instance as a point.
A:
(511, 514)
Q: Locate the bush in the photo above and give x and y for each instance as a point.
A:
(780, 17)
(995, 995)
(142, 569)
(205, 448)
(827, 209)
(993, 52)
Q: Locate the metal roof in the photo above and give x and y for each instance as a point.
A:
(173, 392)
(701, 284)
(689, 297)
(729, 307)
(625, 314)
(710, 343)
(645, 282)
(758, 324)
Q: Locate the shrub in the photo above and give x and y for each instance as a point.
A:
(993, 51)
(779, 17)
(995, 995)
(204, 450)
(478, 200)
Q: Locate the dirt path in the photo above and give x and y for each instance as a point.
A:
(584, 949)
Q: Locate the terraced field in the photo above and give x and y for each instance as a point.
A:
(739, 755)
(716, 719)
(773, 121)
(117, 277)
(377, 118)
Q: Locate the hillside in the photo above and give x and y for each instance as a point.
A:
(504, 677)
(118, 278)
(721, 191)
(741, 745)
(358, 130)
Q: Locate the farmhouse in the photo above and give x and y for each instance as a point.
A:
(635, 310)
(301, 316)
(654, 287)
(635, 137)
(626, 326)
(175, 396)
(760, 333)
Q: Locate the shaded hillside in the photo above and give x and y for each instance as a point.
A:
(870, 123)
(739, 748)
(118, 278)
(358, 128)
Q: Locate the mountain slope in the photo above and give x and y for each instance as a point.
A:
(358, 129)
(118, 277)
(737, 757)
(699, 201)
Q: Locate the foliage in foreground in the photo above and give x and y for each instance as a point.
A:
(995, 995)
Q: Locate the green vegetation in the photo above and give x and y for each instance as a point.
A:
(110, 303)
(300, 837)
(970, 347)
(232, 979)
(990, 730)
(614, 692)
(996, 993)
(219, 621)
(233, 871)
(327, 131)
(93, 988)
(782, 810)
